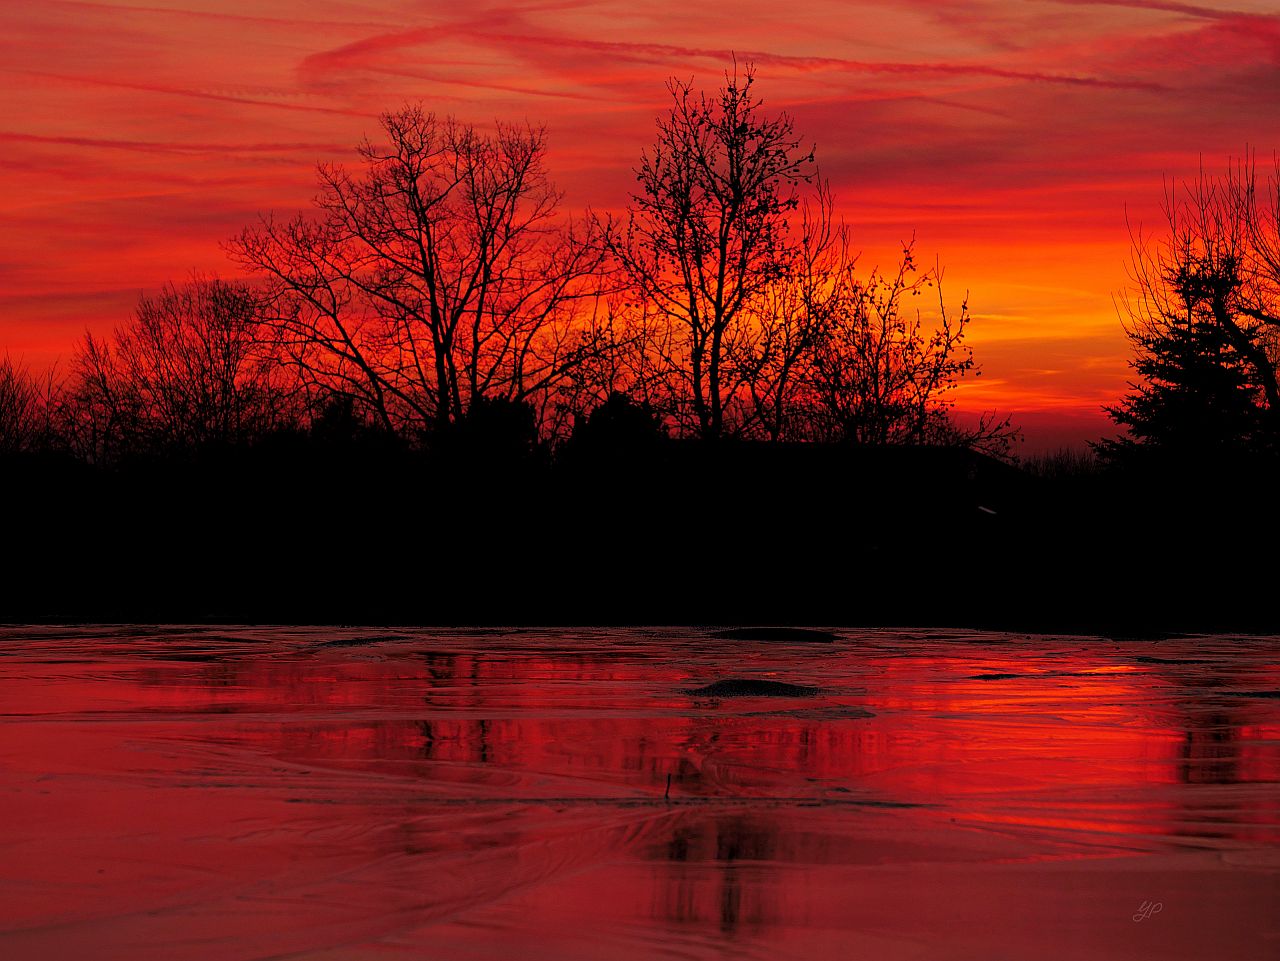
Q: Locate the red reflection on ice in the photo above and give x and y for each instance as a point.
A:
(279, 793)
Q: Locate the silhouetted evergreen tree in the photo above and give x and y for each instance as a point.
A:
(1198, 397)
(1203, 313)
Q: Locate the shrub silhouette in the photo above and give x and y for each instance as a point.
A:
(618, 427)
(494, 432)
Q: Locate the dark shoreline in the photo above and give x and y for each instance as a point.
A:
(1171, 624)
(749, 536)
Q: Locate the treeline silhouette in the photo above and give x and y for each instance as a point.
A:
(440, 276)
(437, 399)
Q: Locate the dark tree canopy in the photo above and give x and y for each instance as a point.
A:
(620, 426)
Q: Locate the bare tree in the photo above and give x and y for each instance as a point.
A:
(706, 237)
(794, 319)
(26, 405)
(749, 317)
(186, 373)
(882, 370)
(439, 274)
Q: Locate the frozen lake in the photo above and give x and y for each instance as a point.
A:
(341, 794)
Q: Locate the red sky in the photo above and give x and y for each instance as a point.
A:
(1010, 135)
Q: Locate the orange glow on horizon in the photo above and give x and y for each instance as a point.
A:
(1012, 138)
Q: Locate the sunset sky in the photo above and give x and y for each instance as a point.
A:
(1009, 135)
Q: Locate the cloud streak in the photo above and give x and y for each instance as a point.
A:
(176, 91)
(660, 52)
(367, 53)
(152, 146)
(1190, 10)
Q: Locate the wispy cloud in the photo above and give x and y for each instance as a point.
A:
(175, 147)
(650, 52)
(178, 91)
(1188, 9)
(303, 20)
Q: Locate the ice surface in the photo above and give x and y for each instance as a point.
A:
(339, 794)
